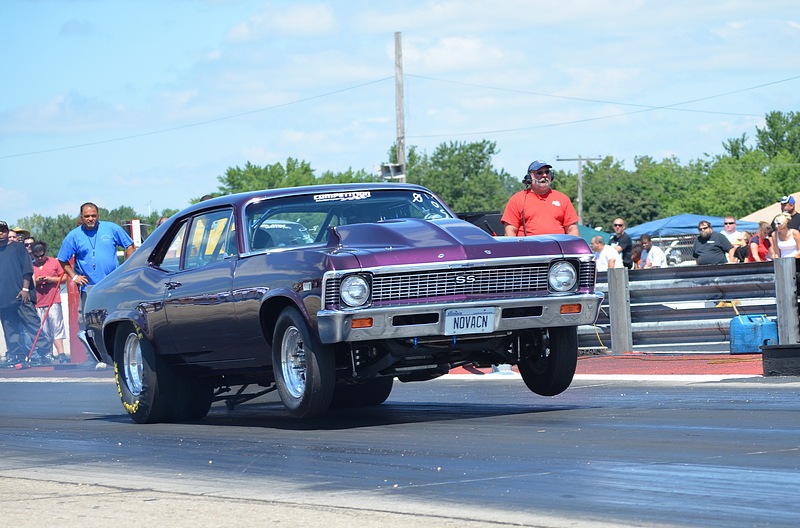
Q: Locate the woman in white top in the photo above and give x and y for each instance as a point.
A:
(785, 241)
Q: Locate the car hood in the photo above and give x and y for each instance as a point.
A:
(413, 241)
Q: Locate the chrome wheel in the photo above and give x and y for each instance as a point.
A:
(305, 370)
(293, 362)
(132, 363)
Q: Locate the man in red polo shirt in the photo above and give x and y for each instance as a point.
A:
(538, 209)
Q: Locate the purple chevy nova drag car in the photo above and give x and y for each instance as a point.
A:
(327, 294)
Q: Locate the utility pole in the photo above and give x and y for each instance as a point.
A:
(580, 160)
(398, 88)
(397, 171)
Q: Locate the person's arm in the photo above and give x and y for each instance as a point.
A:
(796, 235)
(731, 256)
(612, 263)
(80, 280)
(129, 251)
(573, 230)
(24, 294)
(754, 251)
(510, 230)
(773, 248)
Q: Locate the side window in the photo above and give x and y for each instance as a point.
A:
(208, 238)
(172, 257)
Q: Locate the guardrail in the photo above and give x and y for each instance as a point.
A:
(689, 309)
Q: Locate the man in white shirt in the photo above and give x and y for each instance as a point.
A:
(606, 255)
(655, 255)
(733, 235)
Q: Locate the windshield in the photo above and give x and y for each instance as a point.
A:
(301, 220)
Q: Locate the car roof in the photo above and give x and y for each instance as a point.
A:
(241, 199)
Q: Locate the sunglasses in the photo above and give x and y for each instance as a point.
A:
(729, 223)
(39, 256)
(542, 172)
(619, 225)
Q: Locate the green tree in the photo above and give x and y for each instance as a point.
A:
(50, 230)
(780, 134)
(275, 176)
(463, 175)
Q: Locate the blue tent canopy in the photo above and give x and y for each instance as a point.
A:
(684, 224)
(588, 233)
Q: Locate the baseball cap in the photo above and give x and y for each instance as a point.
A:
(3, 226)
(787, 199)
(538, 164)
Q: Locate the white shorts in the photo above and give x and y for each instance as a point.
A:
(53, 328)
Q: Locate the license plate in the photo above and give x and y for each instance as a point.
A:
(469, 321)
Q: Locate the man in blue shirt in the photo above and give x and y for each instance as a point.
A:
(93, 244)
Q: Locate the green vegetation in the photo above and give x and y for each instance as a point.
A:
(741, 180)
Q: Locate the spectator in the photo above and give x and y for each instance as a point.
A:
(622, 242)
(12, 236)
(760, 244)
(788, 207)
(711, 247)
(17, 313)
(93, 245)
(733, 235)
(741, 251)
(636, 256)
(47, 275)
(785, 241)
(653, 256)
(538, 209)
(28, 242)
(21, 234)
(605, 256)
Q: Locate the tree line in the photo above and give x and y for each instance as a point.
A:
(742, 179)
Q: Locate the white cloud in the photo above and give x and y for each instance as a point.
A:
(451, 54)
(295, 21)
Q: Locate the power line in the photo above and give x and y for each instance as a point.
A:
(601, 101)
(196, 124)
(644, 108)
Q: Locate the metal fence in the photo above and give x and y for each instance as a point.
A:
(689, 308)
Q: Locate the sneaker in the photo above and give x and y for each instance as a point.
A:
(101, 365)
(11, 361)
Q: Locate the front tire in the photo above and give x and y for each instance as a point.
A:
(549, 371)
(305, 372)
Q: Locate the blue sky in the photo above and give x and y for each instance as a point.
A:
(146, 104)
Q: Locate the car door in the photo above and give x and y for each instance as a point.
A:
(198, 299)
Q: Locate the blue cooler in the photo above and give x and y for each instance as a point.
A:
(750, 332)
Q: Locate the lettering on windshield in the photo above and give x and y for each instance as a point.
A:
(342, 196)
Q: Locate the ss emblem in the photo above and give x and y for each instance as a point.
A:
(465, 279)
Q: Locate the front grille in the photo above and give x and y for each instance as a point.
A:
(587, 275)
(443, 283)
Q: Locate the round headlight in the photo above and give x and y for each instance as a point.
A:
(355, 290)
(562, 276)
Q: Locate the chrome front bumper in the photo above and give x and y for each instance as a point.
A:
(335, 326)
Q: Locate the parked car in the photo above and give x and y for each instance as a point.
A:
(327, 294)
